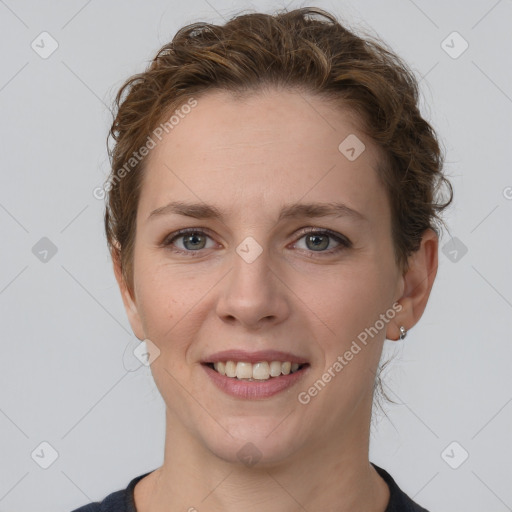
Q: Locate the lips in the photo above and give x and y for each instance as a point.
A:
(252, 375)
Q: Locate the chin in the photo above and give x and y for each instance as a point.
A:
(254, 444)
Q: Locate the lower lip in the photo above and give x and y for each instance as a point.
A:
(256, 389)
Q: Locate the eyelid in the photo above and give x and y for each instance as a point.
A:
(175, 234)
(324, 231)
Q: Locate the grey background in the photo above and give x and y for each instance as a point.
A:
(67, 374)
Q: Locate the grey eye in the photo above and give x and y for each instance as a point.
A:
(194, 241)
(317, 241)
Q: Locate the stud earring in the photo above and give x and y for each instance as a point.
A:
(403, 332)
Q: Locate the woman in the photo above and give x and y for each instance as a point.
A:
(272, 219)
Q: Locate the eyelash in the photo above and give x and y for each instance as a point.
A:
(344, 243)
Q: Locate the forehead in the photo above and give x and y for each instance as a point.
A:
(263, 149)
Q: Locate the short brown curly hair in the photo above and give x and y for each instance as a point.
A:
(306, 49)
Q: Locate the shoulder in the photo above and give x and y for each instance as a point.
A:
(118, 501)
(398, 500)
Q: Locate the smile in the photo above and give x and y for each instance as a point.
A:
(260, 371)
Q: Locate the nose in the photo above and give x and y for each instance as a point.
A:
(253, 294)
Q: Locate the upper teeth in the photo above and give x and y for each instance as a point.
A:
(259, 371)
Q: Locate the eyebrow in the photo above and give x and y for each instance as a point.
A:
(291, 211)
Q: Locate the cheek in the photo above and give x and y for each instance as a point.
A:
(171, 300)
(351, 303)
(347, 300)
(160, 299)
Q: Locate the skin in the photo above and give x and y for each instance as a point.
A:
(249, 157)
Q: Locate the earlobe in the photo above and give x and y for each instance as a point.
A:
(417, 284)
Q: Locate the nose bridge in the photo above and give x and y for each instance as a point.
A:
(252, 292)
(251, 265)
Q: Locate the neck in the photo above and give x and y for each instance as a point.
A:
(193, 479)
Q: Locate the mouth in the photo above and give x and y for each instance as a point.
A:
(254, 375)
(259, 371)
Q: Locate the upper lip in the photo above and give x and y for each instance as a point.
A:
(254, 357)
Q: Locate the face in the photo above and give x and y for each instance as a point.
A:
(260, 277)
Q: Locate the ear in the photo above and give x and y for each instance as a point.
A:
(129, 301)
(417, 283)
